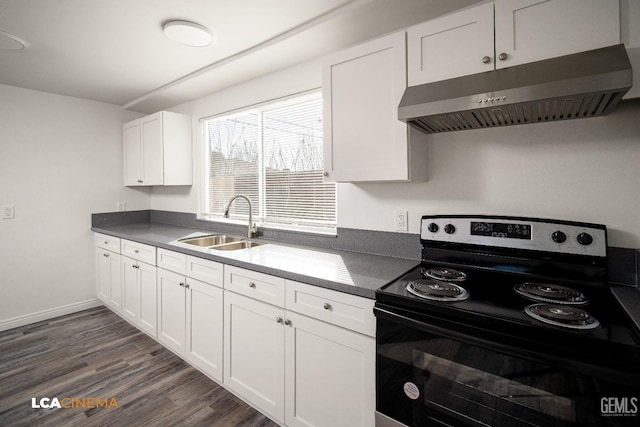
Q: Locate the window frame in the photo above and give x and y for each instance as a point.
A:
(204, 196)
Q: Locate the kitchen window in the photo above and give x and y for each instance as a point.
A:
(271, 153)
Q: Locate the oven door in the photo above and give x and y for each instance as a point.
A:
(442, 373)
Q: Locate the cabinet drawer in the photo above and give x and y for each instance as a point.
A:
(172, 261)
(210, 272)
(107, 242)
(255, 285)
(345, 310)
(139, 251)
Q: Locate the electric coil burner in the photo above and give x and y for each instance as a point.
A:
(564, 316)
(546, 292)
(506, 321)
(445, 274)
(437, 290)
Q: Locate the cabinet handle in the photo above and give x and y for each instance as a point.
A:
(502, 56)
(287, 322)
(186, 286)
(181, 285)
(136, 251)
(327, 306)
(135, 266)
(325, 174)
(252, 285)
(486, 59)
(105, 255)
(140, 181)
(106, 243)
(279, 319)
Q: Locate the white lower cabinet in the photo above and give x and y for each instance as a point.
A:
(303, 355)
(329, 375)
(109, 282)
(190, 312)
(254, 353)
(295, 368)
(139, 296)
(204, 327)
(172, 309)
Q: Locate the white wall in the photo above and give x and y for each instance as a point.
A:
(583, 170)
(60, 161)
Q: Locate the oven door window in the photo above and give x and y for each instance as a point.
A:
(426, 379)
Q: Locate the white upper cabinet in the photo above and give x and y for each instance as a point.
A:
(451, 46)
(462, 43)
(157, 150)
(531, 30)
(363, 138)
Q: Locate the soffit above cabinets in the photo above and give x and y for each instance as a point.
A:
(116, 52)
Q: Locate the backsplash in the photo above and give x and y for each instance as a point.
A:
(624, 263)
(397, 245)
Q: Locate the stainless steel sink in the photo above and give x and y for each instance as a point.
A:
(220, 242)
(243, 244)
(212, 240)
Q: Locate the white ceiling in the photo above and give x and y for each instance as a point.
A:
(115, 50)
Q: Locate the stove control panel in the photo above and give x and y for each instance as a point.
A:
(518, 233)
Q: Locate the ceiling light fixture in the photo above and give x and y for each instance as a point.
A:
(10, 42)
(188, 33)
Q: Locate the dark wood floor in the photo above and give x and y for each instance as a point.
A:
(95, 353)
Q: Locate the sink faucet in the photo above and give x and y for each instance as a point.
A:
(252, 229)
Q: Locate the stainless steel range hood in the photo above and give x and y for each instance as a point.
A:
(585, 84)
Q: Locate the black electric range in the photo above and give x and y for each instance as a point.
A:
(504, 298)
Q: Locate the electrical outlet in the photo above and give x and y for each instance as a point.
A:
(122, 206)
(402, 221)
(8, 212)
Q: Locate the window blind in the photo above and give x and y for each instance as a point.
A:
(273, 154)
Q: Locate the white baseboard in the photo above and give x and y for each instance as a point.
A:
(39, 316)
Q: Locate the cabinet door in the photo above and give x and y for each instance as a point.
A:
(254, 353)
(204, 327)
(362, 87)
(171, 310)
(103, 265)
(532, 30)
(152, 155)
(109, 280)
(148, 299)
(132, 153)
(451, 46)
(328, 367)
(131, 290)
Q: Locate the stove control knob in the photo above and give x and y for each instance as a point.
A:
(433, 227)
(449, 228)
(584, 239)
(558, 236)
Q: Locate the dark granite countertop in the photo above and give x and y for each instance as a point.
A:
(629, 299)
(345, 271)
